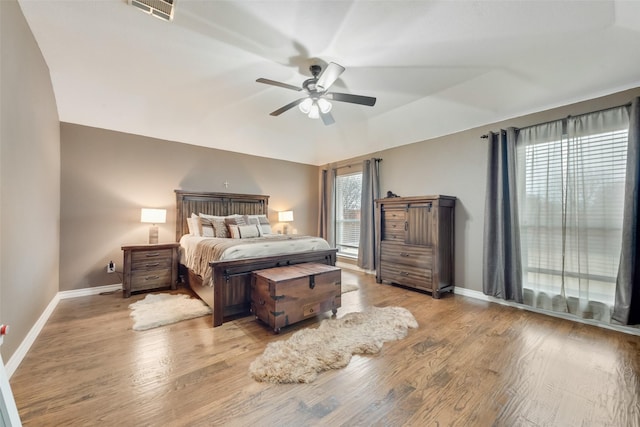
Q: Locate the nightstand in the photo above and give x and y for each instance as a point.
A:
(149, 267)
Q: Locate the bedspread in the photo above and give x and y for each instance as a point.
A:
(197, 252)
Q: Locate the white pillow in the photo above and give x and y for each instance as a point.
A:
(210, 216)
(248, 231)
(193, 225)
(207, 227)
(196, 224)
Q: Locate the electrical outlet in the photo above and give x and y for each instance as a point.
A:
(111, 267)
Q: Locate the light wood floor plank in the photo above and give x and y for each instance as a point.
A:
(470, 363)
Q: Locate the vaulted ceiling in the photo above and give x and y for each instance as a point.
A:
(435, 67)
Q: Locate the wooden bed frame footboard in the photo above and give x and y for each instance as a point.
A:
(230, 294)
(231, 291)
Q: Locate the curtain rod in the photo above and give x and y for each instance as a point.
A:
(377, 159)
(628, 104)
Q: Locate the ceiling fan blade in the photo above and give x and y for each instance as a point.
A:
(327, 118)
(280, 84)
(354, 99)
(287, 107)
(329, 75)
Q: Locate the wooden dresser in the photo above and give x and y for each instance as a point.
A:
(282, 296)
(415, 242)
(149, 267)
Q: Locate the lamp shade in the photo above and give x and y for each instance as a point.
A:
(285, 216)
(153, 216)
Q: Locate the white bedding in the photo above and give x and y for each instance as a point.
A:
(196, 252)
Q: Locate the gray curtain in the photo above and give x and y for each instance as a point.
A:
(626, 309)
(502, 262)
(327, 217)
(370, 192)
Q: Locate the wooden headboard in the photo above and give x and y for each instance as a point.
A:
(222, 204)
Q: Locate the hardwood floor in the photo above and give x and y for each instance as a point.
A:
(470, 363)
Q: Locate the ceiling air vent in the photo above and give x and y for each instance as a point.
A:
(162, 9)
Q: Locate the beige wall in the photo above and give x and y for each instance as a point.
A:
(456, 165)
(108, 176)
(29, 180)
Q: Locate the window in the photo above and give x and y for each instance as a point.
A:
(571, 214)
(348, 197)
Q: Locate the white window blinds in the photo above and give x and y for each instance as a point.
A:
(348, 197)
(571, 187)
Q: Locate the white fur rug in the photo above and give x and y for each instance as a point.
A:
(163, 309)
(300, 358)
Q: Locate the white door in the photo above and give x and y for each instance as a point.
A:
(8, 412)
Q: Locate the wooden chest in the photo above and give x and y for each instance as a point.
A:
(282, 296)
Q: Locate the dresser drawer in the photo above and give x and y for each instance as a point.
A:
(393, 224)
(393, 230)
(406, 275)
(397, 214)
(413, 256)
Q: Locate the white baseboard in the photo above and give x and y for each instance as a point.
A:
(354, 267)
(89, 291)
(28, 341)
(479, 295)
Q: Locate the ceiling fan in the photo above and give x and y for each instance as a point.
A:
(316, 104)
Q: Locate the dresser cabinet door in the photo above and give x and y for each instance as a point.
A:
(420, 220)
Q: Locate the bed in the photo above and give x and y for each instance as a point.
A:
(226, 287)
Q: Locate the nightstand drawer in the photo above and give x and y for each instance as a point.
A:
(142, 257)
(151, 264)
(150, 279)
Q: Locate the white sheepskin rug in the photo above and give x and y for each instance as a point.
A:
(163, 309)
(300, 358)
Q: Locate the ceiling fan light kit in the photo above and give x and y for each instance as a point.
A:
(316, 105)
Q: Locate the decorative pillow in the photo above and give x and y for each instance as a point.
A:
(220, 228)
(235, 220)
(207, 227)
(263, 221)
(213, 220)
(248, 231)
(256, 222)
(234, 231)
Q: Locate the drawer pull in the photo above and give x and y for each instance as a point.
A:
(151, 277)
(404, 273)
(152, 264)
(404, 254)
(150, 255)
